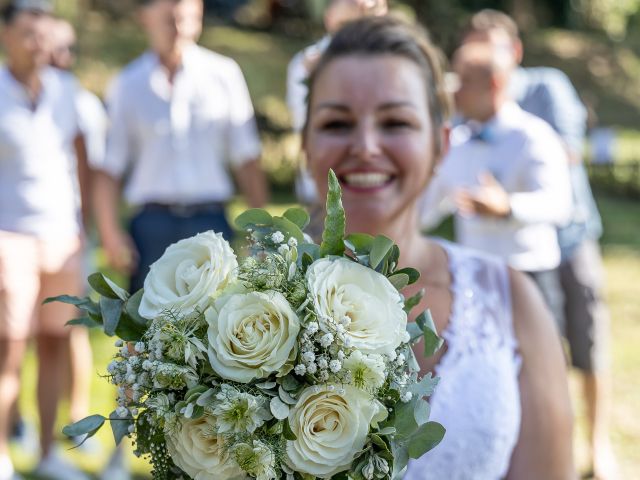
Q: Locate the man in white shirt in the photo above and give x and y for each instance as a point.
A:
(40, 227)
(337, 13)
(505, 176)
(181, 119)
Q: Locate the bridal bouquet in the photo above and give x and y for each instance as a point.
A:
(294, 363)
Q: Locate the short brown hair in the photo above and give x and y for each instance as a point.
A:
(489, 19)
(388, 35)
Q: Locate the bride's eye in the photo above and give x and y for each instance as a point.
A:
(335, 125)
(395, 123)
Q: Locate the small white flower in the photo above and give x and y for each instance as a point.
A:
(308, 357)
(139, 347)
(326, 339)
(345, 321)
(124, 351)
(392, 356)
(312, 327)
(335, 366)
(300, 369)
(340, 328)
(341, 355)
(368, 470)
(406, 397)
(367, 370)
(283, 250)
(292, 242)
(400, 360)
(312, 368)
(277, 237)
(147, 365)
(322, 363)
(122, 412)
(323, 376)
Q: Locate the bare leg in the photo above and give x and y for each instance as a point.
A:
(81, 369)
(11, 355)
(597, 387)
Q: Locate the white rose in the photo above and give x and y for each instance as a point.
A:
(199, 452)
(188, 275)
(342, 288)
(331, 425)
(252, 335)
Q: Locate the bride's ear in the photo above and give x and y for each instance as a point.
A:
(444, 144)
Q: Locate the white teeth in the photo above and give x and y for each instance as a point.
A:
(366, 179)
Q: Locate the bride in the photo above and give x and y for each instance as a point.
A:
(377, 118)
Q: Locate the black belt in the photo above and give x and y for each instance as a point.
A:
(184, 209)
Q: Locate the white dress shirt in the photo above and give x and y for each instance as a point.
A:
(174, 142)
(528, 159)
(93, 123)
(38, 172)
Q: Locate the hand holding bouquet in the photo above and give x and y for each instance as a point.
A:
(293, 363)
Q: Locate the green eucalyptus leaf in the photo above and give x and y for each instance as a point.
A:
(399, 280)
(85, 426)
(335, 220)
(111, 309)
(359, 243)
(297, 215)
(132, 307)
(288, 229)
(84, 322)
(432, 342)
(400, 458)
(85, 304)
(279, 409)
(106, 287)
(425, 387)
(290, 383)
(287, 433)
(415, 332)
(379, 250)
(253, 216)
(421, 412)
(414, 275)
(119, 426)
(412, 301)
(129, 330)
(425, 438)
(404, 421)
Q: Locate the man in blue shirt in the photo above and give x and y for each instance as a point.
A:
(549, 94)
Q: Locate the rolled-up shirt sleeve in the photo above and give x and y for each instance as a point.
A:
(119, 148)
(243, 139)
(546, 197)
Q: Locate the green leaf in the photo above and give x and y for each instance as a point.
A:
(399, 280)
(401, 459)
(425, 438)
(432, 342)
(132, 307)
(414, 275)
(411, 302)
(414, 331)
(379, 442)
(287, 433)
(288, 229)
(278, 408)
(85, 303)
(119, 426)
(253, 216)
(297, 215)
(106, 287)
(359, 243)
(425, 387)
(84, 321)
(380, 248)
(405, 422)
(421, 412)
(87, 425)
(335, 221)
(290, 383)
(111, 310)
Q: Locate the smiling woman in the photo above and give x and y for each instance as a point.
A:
(377, 118)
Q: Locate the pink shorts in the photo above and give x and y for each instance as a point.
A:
(32, 269)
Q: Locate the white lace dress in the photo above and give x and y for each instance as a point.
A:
(477, 399)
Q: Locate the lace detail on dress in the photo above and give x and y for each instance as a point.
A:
(477, 399)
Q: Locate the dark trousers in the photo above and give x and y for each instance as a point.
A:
(548, 282)
(156, 227)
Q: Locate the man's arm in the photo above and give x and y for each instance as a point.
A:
(252, 183)
(84, 177)
(118, 246)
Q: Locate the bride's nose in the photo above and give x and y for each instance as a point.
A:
(366, 141)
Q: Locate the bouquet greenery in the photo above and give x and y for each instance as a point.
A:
(294, 363)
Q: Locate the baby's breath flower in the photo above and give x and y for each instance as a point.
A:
(139, 347)
(312, 368)
(326, 339)
(322, 363)
(292, 242)
(406, 397)
(335, 366)
(277, 237)
(308, 357)
(312, 327)
(300, 369)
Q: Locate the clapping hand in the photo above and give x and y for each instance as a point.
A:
(488, 199)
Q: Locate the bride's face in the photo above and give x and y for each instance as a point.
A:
(369, 121)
